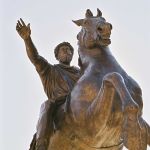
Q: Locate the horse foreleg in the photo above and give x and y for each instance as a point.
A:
(100, 109)
(136, 129)
(101, 106)
(128, 104)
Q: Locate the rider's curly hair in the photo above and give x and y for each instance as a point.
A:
(57, 48)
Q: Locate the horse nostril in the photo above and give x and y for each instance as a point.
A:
(100, 29)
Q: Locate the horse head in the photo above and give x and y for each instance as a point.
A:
(95, 30)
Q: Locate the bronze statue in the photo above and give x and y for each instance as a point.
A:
(104, 109)
(58, 80)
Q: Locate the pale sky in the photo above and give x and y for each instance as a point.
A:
(21, 89)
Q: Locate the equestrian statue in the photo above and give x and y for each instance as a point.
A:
(104, 109)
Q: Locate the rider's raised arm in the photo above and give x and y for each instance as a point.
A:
(38, 61)
(24, 31)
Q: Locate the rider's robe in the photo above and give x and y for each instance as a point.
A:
(58, 80)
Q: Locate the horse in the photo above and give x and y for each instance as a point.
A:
(104, 109)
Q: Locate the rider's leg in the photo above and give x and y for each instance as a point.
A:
(45, 125)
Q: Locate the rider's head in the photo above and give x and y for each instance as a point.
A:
(64, 52)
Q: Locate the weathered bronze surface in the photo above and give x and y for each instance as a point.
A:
(104, 109)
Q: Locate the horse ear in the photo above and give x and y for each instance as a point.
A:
(88, 13)
(99, 13)
(78, 22)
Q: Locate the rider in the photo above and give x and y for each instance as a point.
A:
(58, 80)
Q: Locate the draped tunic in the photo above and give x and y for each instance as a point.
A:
(58, 80)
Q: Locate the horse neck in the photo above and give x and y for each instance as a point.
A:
(99, 56)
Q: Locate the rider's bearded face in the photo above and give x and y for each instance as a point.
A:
(65, 55)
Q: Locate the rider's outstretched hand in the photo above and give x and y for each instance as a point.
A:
(23, 30)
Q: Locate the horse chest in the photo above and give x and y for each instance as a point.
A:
(87, 88)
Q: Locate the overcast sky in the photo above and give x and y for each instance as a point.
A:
(21, 89)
